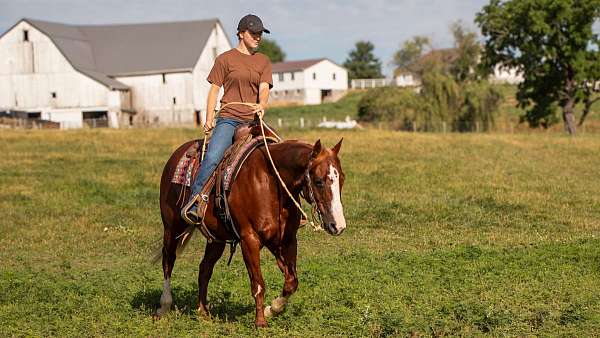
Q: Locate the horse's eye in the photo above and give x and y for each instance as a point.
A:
(319, 183)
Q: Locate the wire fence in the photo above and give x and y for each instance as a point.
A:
(502, 126)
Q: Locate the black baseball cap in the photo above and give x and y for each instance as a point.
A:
(253, 24)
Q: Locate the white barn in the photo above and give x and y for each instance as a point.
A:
(308, 81)
(123, 74)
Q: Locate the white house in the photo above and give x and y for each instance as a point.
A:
(123, 74)
(506, 75)
(308, 81)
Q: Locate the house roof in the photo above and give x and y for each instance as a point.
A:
(103, 52)
(289, 66)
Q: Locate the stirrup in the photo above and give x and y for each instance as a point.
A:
(194, 217)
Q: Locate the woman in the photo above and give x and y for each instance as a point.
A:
(246, 77)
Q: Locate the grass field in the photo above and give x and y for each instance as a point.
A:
(447, 235)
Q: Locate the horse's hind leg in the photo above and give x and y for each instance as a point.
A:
(169, 254)
(212, 253)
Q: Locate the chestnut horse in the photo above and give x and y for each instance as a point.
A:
(263, 213)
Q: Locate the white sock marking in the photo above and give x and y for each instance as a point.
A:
(336, 202)
(166, 300)
(258, 289)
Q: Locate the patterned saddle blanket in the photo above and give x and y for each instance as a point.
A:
(188, 165)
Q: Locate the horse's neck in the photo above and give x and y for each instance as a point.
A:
(291, 159)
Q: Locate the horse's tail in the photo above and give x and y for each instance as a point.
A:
(182, 242)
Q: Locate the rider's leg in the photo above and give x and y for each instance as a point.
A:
(222, 138)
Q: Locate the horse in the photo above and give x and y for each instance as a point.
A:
(264, 215)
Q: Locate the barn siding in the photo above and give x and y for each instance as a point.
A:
(152, 99)
(33, 70)
(219, 40)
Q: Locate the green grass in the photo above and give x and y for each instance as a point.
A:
(332, 111)
(447, 235)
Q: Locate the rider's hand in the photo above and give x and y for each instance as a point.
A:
(259, 110)
(208, 126)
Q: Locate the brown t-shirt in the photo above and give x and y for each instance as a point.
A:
(240, 75)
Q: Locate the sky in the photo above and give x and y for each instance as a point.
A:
(303, 28)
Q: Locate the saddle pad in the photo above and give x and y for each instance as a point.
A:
(187, 166)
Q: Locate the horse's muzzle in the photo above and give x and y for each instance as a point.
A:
(331, 228)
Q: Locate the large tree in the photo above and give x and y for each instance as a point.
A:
(468, 52)
(407, 58)
(551, 42)
(271, 49)
(362, 63)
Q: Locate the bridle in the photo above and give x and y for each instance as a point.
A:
(310, 197)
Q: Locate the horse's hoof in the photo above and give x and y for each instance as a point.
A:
(269, 312)
(203, 313)
(261, 323)
(158, 314)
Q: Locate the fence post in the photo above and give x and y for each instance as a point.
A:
(302, 122)
(324, 118)
(444, 127)
(279, 123)
(477, 126)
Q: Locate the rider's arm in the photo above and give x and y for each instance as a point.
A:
(211, 103)
(263, 95)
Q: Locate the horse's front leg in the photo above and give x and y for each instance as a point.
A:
(286, 260)
(251, 251)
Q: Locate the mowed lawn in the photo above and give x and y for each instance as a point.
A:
(447, 235)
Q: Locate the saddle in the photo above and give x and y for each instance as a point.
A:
(247, 138)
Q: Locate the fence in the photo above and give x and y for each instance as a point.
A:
(501, 126)
(101, 122)
(9, 122)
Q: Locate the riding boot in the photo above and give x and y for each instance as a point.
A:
(192, 213)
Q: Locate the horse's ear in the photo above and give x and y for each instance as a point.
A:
(316, 149)
(336, 148)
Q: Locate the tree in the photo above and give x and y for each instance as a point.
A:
(362, 63)
(271, 49)
(552, 44)
(468, 51)
(406, 59)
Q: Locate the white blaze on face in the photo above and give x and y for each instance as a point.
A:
(336, 201)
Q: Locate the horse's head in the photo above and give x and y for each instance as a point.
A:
(324, 182)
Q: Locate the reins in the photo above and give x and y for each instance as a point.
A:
(263, 125)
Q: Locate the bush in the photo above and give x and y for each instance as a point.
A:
(400, 107)
(441, 100)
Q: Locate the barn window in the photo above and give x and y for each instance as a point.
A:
(174, 100)
(53, 95)
(333, 76)
(292, 76)
(25, 35)
(285, 92)
(164, 78)
(314, 76)
(281, 77)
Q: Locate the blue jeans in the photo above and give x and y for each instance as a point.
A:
(222, 138)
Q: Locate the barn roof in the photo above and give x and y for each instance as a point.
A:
(106, 51)
(289, 66)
